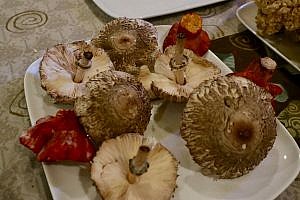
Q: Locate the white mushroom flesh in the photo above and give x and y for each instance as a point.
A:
(197, 70)
(58, 68)
(110, 171)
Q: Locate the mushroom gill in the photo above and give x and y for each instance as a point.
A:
(229, 126)
(114, 169)
(65, 68)
(115, 103)
(130, 43)
(176, 84)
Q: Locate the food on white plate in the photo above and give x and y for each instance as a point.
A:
(65, 68)
(274, 16)
(130, 43)
(133, 167)
(229, 126)
(59, 138)
(116, 103)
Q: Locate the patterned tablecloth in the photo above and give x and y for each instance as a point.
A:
(29, 27)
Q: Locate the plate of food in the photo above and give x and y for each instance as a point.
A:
(146, 167)
(148, 9)
(284, 43)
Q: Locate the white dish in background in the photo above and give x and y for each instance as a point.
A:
(266, 181)
(148, 8)
(280, 43)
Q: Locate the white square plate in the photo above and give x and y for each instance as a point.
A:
(266, 181)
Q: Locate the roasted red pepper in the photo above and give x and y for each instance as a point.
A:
(59, 138)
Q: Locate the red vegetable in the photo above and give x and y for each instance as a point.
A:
(59, 138)
(196, 40)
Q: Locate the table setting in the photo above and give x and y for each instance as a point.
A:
(39, 40)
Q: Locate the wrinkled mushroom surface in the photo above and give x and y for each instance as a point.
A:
(130, 43)
(58, 68)
(110, 170)
(229, 126)
(198, 69)
(116, 103)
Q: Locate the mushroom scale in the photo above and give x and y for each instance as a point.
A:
(229, 126)
(116, 103)
(130, 43)
(198, 69)
(110, 169)
(58, 68)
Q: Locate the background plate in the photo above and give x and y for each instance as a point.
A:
(148, 8)
(266, 181)
(280, 43)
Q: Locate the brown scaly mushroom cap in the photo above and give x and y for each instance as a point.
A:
(130, 43)
(197, 70)
(115, 180)
(229, 126)
(116, 103)
(60, 64)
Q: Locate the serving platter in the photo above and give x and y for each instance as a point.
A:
(148, 8)
(280, 43)
(266, 181)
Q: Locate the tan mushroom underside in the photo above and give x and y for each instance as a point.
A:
(198, 70)
(109, 171)
(229, 126)
(58, 68)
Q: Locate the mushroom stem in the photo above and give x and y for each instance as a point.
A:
(138, 165)
(179, 61)
(83, 64)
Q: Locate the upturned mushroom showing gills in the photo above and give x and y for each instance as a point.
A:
(129, 168)
(130, 43)
(116, 103)
(229, 126)
(65, 68)
(182, 71)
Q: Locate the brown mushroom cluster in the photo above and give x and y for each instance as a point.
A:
(229, 126)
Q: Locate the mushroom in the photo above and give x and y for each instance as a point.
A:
(65, 68)
(182, 71)
(115, 103)
(128, 167)
(229, 126)
(130, 43)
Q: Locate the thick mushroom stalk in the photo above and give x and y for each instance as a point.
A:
(179, 62)
(229, 126)
(138, 165)
(115, 179)
(84, 63)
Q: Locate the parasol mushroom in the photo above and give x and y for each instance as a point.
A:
(182, 71)
(229, 126)
(65, 68)
(130, 43)
(128, 167)
(115, 103)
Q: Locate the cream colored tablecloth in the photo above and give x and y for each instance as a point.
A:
(27, 29)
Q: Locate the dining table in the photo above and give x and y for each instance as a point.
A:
(29, 27)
